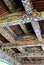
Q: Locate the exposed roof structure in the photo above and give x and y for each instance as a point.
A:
(22, 31)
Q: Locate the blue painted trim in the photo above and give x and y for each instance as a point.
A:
(1, 60)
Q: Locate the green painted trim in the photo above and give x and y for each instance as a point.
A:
(42, 15)
(10, 22)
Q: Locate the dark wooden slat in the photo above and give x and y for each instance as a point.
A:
(3, 39)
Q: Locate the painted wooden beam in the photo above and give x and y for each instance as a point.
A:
(23, 44)
(10, 4)
(30, 56)
(1, 43)
(16, 18)
(42, 47)
(21, 50)
(28, 6)
(37, 30)
(33, 54)
(11, 54)
(30, 60)
(23, 27)
(11, 32)
(4, 55)
(6, 33)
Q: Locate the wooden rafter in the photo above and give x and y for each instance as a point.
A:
(5, 32)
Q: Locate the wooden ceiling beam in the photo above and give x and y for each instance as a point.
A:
(16, 18)
(28, 6)
(23, 27)
(7, 34)
(23, 44)
(21, 50)
(33, 21)
(37, 30)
